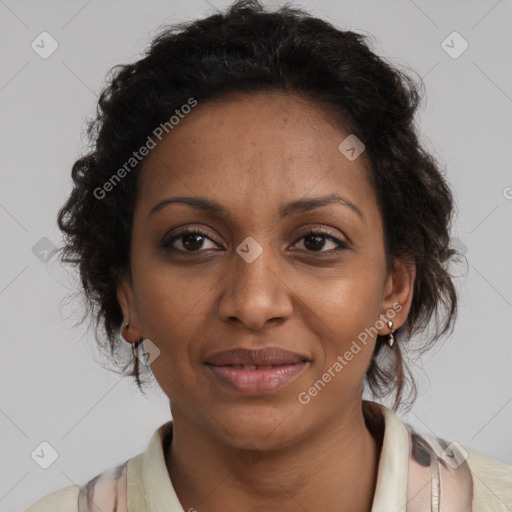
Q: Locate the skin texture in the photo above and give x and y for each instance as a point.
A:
(254, 154)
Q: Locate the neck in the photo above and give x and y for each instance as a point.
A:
(334, 468)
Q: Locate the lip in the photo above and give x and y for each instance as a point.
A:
(257, 382)
(255, 372)
(269, 356)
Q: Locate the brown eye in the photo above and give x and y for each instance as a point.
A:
(315, 241)
(191, 239)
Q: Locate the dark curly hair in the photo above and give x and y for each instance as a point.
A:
(249, 49)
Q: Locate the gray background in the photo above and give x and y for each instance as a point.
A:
(52, 387)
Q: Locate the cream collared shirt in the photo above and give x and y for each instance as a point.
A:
(407, 479)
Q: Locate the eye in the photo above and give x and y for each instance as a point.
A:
(314, 241)
(192, 239)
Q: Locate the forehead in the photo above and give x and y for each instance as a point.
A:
(251, 151)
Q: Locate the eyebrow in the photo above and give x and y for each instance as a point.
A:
(300, 205)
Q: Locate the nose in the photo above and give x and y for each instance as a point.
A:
(255, 292)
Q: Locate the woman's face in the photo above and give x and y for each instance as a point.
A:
(252, 279)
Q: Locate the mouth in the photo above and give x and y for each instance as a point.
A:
(256, 372)
(269, 356)
(254, 380)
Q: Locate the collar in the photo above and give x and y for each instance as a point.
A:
(391, 487)
(150, 487)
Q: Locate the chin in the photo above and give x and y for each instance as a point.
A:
(266, 427)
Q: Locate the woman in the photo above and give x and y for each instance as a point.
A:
(258, 219)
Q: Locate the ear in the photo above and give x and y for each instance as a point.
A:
(398, 293)
(127, 303)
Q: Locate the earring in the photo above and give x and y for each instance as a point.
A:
(391, 338)
(136, 344)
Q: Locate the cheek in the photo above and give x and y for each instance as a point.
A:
(350, 302)
(178, 338)
(344, 314)
(165, 296)
(170, 312)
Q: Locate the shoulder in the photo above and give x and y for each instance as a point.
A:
(63, 500)
(461, 472)
(107, 492)
(492, 482)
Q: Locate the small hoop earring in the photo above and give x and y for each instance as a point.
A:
(391, 338)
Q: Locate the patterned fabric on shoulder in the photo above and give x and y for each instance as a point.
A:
(439, 477)
(106, 492)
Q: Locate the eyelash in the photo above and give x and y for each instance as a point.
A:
(341, 246)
